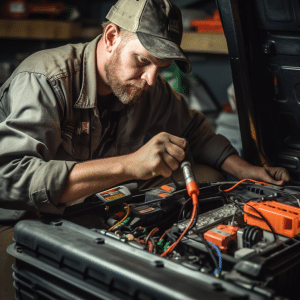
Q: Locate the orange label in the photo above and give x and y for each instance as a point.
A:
(109, 191)
(162, 195)
(146, 210)
(166, 188)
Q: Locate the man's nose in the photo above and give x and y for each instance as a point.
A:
(150, 74)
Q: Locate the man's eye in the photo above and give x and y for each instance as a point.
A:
(143, 60)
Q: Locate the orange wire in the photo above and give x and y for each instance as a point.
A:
(139, 241)
(154, 230)
(233, 187)
(150, 246)
(172, 247)
(162, 236)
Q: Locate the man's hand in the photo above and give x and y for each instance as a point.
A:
(280, 175)
(160, 156)
(241, 169)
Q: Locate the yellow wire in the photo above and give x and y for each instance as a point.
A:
(117, 224)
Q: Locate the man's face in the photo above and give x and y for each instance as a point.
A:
(131, 70)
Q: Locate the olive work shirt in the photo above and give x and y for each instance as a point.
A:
(49, 121)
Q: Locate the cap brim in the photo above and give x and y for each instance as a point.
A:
(165, 49)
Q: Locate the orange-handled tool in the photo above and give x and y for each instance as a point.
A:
(190, 181)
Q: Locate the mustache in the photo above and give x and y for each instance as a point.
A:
(143, 86)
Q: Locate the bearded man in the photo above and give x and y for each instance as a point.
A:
(73, 121)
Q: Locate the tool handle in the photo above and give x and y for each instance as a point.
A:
(190, 181)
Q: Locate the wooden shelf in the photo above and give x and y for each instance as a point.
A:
(204, 42)
(91, 32)
(59, 30)
(39, 29)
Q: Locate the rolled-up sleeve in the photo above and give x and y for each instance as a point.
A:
(30, 116)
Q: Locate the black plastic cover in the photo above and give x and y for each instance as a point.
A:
(52, 260)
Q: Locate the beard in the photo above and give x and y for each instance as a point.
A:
(127, 93)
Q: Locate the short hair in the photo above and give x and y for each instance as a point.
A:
(125, 34)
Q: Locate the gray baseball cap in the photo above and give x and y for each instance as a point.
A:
(158, 25)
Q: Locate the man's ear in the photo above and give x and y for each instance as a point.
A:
(111, 36)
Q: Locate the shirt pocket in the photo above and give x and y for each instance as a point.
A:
(77, 146)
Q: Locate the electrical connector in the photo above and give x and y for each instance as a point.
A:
(167, 245)
(190, 181)
(126, 221)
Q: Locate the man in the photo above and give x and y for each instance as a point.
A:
(73, 119)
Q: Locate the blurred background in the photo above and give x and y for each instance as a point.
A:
(27, 26)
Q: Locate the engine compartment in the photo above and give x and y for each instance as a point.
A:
(246, 234)
(243, 243)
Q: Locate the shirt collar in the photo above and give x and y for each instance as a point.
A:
(88, 93)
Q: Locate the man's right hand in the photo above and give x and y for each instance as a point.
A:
(160, 156)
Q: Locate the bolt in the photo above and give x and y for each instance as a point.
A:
(56, 223)
(158, 263)
(19, 249)
(99, 241)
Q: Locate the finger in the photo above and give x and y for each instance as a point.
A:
(159, 167)
(180, 142)
(163, 168)
(279, 174)
(175, 152)
(170, 161)
(270, 179)
(165, 171)
(286, 177)
(280, 182)
(277, 182)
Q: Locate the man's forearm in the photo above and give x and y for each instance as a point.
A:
(90, 177)
(237, 166)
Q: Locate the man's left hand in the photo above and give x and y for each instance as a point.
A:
(278, 175)
(241, 169)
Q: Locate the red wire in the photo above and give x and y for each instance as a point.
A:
(139, 241)
(162, 236)
(154, 230)
(233, 187)
(172, 247)
(150, 246)
(195, 205)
